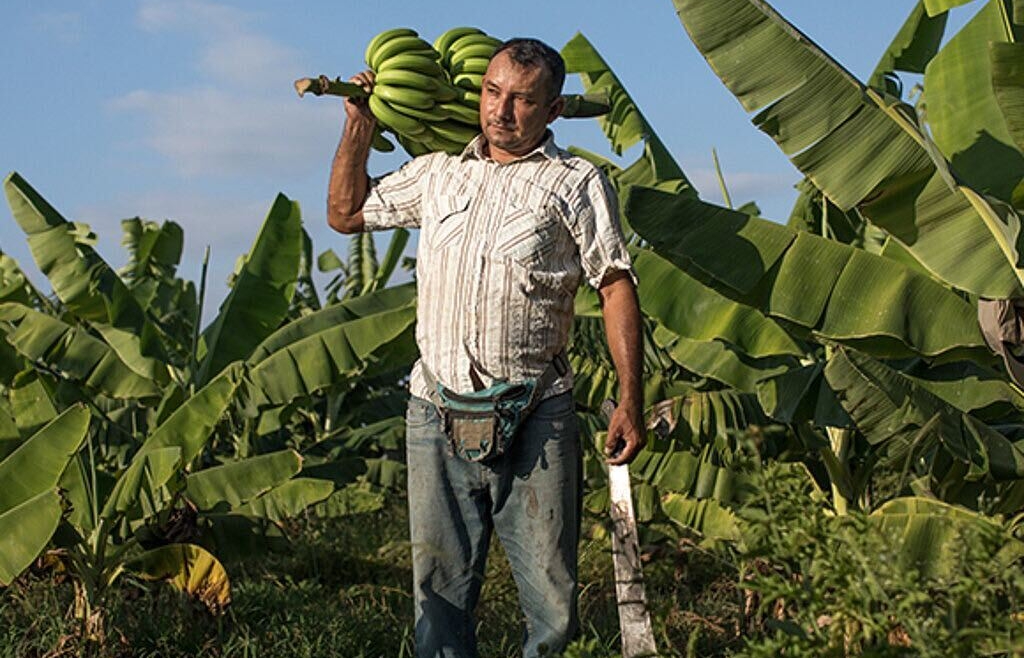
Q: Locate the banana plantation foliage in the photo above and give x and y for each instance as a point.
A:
(840, 351)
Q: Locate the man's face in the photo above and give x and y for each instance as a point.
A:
(515, 107)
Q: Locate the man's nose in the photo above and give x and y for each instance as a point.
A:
(505, 108)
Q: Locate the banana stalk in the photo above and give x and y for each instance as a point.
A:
(577, 106)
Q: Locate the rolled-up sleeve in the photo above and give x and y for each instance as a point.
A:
(395, 199)
(597, 231)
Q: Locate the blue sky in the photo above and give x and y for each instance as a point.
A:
(184, 109)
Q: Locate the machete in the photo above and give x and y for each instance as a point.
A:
(630, 596)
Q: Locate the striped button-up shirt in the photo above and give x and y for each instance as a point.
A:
(502, 250)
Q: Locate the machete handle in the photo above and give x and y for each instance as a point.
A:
(607, 409)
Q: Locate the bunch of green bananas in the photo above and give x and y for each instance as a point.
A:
(411, 91)
(465, 53)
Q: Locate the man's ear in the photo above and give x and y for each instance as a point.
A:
(557, 106)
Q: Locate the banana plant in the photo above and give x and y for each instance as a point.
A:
(743, 280)
(866, 149)
(362, 273)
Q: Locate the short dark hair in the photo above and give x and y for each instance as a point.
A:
(525, 51)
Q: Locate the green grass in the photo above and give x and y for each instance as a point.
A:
(344, 590)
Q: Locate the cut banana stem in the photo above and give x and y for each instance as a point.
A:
(323, 85)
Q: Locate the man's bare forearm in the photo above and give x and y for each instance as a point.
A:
(349, 183)
(622, 325)
(621, 312)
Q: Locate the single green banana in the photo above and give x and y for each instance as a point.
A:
(445, 92)
(459, 112)
(470, 39)
(399, 45)
(414, 147)
(385, 36)
(476, 65)
(470, 81)
(454, 131)
(421, 62)
(393, 119)
(405, 78)
(470, 99)
(484, 50)
(432, 115)
(436, 142)
(380, 142)
(405, 96)
(447, 38)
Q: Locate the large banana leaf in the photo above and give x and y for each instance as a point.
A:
(965, 119)
(174, 443)
(15, 286)
(153, 249)
(236, 483)
(1008, 86)
(139, 483)
(857, 147)
(711, 520)
(935, 7)
(37, 464)
(72, 351)
(32, 403)
(191, 424)
(25, 531)
(624, 125)
(815, 286)
(890, 409)
(86, 284)
(969, 387)
(259, 300)
(802, 394)
(10, 437)
(387, 299)
(288, 500)
(189, 568)
(721, 361)
(913, 47)
(695, 311)
(355, 498)
(329, 356)
(154, 252)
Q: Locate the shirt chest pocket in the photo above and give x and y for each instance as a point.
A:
(528, 234)
(450, 213)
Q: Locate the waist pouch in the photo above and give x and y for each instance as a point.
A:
(481, 425)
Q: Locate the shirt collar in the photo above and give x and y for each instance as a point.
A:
(546, 148)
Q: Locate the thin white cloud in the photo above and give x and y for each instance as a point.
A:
(242, 118)
(217, 132)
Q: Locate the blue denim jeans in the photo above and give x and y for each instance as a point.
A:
(530, 498)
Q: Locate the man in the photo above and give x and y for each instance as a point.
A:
(508, 228)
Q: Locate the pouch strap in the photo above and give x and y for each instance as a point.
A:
(558, 367)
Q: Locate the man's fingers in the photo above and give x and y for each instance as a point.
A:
(623, 443)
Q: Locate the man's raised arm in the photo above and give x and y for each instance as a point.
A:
(349, 183)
